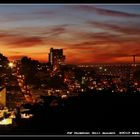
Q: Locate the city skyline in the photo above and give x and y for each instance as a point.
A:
(87, 33)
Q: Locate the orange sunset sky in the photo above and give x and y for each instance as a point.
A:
(88, 34)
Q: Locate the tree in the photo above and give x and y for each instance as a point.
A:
(3, 63)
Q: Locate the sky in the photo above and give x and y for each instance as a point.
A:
(88, 34)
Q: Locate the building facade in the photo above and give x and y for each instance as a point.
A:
(56, 56)
(3, 97)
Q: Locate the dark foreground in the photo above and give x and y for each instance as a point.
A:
(88, 112)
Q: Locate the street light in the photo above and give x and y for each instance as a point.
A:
(11, 65)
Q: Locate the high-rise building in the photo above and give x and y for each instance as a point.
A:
(56, 56)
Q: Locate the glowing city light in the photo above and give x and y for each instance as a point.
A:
(11, 65)
(135, 83)
(6, 121)
(26, 116)
(64, 96)
(100, 68)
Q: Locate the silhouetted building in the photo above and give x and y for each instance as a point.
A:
(56, 56)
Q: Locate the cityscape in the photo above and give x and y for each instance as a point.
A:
(62, 72)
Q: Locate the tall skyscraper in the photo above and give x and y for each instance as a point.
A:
(56, 56)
